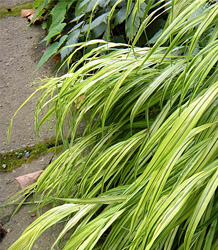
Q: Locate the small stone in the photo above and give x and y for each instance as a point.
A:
(4, 166)
(7, 180)
(26, 154)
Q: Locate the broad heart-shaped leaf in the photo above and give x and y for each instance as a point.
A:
(56, 30)
(52, 49)
(72, 39)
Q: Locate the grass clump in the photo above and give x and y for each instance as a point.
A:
(143, 175)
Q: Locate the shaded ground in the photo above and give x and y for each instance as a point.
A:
(20, 53)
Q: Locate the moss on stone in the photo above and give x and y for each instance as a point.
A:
(13, 159)
(15, 10)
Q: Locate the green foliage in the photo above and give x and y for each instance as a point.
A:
(79, 21)
(143, 174)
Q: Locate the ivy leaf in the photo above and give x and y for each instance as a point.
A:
(72, 39)
(56, 30)
(52, 49)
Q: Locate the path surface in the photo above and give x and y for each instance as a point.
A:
(10, 3)
(20, 53)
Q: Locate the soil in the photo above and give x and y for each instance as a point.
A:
(20, 53)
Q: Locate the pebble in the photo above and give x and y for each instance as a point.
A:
(4, 166)
(26, 154)
(7, 180)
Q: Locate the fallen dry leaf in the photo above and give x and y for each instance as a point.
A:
(33, 214)
(29, 14)
(81, 98)
(28, 179)
(57, 58)
(38, 19)
(3, 232)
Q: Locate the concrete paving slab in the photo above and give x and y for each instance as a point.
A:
(20, 53)
(15, 226)
(10, 3)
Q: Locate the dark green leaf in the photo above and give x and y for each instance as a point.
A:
(77, 18)
(99, 30)
(72, 39)
(132, 26)
(56, 30)
(51, 50)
